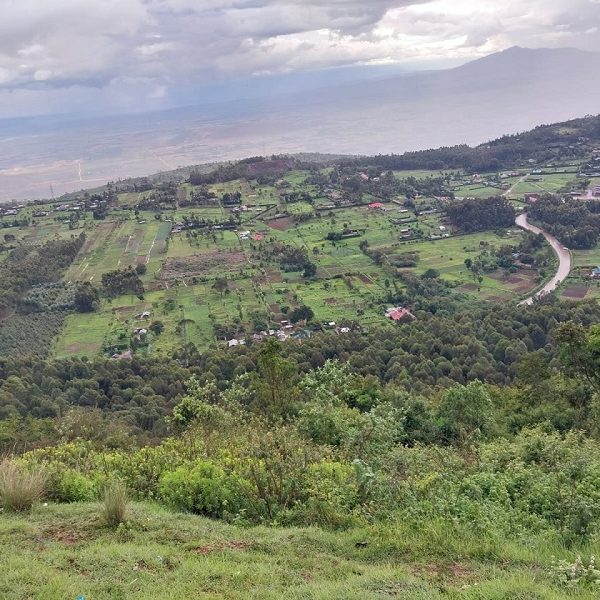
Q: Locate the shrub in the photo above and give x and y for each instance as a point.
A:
(115, 503)
(70, 486)
(20, 489)
(202, 488)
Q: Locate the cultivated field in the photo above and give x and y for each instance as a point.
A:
(183, 268)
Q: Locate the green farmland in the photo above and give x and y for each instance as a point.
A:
(213, 269)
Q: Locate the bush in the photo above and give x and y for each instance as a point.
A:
(202, 489)
(20, 489)
(115, 503)
(70, 486)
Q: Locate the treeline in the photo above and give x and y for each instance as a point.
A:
(334, 448)
(563, 141)
(130, 400)
(481, 214)
(257, 167)
(576, 224)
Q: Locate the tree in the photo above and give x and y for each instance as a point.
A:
(157, 327)
(465, 413)
(276, 372)
(87, 298)
(310, 270)
(221, 285)
(302, 313)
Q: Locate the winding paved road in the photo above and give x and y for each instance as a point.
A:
(564, 257)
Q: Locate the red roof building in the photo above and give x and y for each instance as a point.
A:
(377, 205)
(398, 313)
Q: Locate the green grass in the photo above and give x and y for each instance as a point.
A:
(551, 182)
(64, 551)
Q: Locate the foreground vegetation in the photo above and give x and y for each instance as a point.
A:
(62, 551)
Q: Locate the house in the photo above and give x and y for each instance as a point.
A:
(596, 273)
(531, 198)
(442, 228)
(377, 206)
(233, 343)
(398, 313)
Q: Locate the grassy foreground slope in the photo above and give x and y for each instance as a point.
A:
(64, 551)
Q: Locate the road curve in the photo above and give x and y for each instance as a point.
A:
(564, 258)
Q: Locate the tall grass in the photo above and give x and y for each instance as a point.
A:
(20, 489)
(115, 503)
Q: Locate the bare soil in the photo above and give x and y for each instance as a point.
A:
(281, 224)
(577, 292)
(200, 264)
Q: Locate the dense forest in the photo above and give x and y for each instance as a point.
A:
(479, 215)
(575, 223)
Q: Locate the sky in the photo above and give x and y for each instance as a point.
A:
(111, 56)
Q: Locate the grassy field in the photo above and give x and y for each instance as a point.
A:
(551, 182)
(64, 552)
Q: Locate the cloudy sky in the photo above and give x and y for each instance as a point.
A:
(124, 55)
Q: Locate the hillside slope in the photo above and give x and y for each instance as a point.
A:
(65, 552)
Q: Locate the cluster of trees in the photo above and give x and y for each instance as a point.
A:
(575, 223)
(497, 345)
(33, 304)
(28, 266)
(481, 214)
(290, 258)
(201, 196)
(249, 168)
(162, 197)
(122, 281)
(334, 447)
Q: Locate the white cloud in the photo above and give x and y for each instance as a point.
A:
(75, 44)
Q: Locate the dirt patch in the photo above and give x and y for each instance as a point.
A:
(201, 264)
(65, 537)
(124, 311)
(154, 286)
(275, 309)
(500, 276)
(281, 224)
(330, 301)
(141, 259)
(222, 546)
(448, 573)
(468, 287)
(273, 277)
(365, 279)
(577, 292)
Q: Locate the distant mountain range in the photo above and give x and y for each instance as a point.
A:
(510, 91)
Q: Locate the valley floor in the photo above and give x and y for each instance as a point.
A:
(63, 552)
